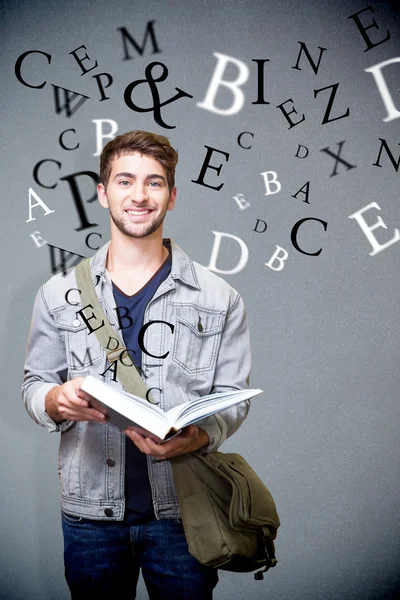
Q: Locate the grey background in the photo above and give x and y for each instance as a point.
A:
(324, 435)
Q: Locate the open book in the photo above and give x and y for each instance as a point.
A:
(127, 410)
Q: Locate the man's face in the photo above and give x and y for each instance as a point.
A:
(137, 195)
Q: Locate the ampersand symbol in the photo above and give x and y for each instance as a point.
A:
(151, 81)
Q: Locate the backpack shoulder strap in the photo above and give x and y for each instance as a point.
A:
(128, 375)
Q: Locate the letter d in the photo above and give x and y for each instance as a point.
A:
(214, 254)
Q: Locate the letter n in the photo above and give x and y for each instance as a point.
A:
(390, 155)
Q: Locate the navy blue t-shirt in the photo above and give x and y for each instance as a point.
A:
(138, 498)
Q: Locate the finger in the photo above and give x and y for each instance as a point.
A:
(136, 438)
(84, 396)
(190, 431)
(82, 414)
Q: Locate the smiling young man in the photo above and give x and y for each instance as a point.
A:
(120, 512)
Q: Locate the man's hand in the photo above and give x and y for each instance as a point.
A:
(191, 439)
(68, 402)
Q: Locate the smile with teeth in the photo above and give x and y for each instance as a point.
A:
(138, 212)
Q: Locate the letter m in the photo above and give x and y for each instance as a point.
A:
(86, 361)
(126, 37)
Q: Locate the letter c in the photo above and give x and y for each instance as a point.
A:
(67, 294)
(240, 138)
(141, 338)
(19, 63)
(36, 172)
(148, 392)
(293, 235)
(87, 238)
(61, 141)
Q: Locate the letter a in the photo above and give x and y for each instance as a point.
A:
(214, 254)
(233, 86)
(39, 202)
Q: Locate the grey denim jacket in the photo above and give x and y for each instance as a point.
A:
(207, 351)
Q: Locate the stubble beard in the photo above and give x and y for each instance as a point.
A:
(138, 231)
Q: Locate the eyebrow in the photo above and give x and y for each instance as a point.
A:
(133, 176)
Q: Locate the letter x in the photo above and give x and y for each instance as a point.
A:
(338, 159)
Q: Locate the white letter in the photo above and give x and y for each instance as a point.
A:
(214, 254)
(217, 80)
(273, 180)
(275, 257)
(241, 201)
(367, 229)
(100, 135)
(37, 238)
(383, 89)
(39, 202)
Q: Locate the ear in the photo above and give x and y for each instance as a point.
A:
(102, 196)
(172, 199)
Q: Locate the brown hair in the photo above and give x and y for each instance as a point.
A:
(143, 142)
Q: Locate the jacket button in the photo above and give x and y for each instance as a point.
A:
(108, 512)
(110, 462)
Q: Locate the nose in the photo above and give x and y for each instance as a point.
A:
(139, 193)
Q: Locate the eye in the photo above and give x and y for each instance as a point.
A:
(124, 183)
(155, 184)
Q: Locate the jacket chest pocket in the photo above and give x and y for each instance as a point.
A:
(197, 338)
(82, 349)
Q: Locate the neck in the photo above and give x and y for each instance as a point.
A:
(128, 254)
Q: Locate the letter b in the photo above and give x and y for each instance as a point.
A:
(268, 182)
(233, 86)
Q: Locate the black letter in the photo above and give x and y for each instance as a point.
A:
(206, 166)
(298, 150)
(19, 63)
(125, 316)
(260, 80)
(67, 294)
(87, 239)
(307, 186)
(76, 195)
(338, 159)
(113, 369)
(326, 118)
(141, 337)
(36, 172)
(87, 319)
(139, 49)
(314, 66)
(286, 114)
(64, 257)
(61, 142)
(260, 221)
(81, 362)
(390, 155)
(69, 97)
(293, 235)
(80, 60)
(151, 400)
(240, 138)
(101, 86)
(363, 29)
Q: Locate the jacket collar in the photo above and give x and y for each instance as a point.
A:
(182, 266)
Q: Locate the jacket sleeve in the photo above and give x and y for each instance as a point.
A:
(232, 373)
(45, 365)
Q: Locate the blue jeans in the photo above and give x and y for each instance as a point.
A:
(103, 557)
